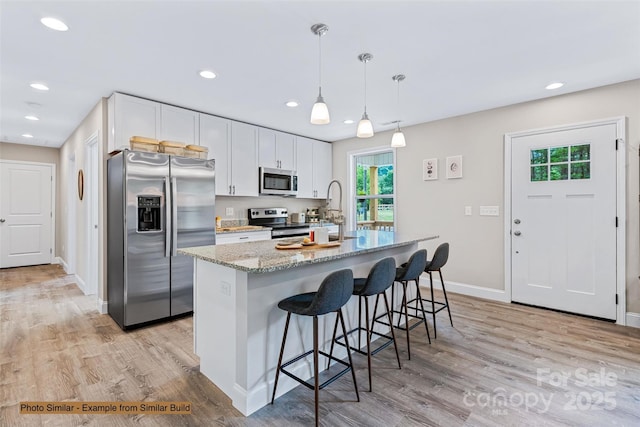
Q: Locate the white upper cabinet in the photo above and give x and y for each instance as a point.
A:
(130, 116)
(314, 167)
(179, 125)
(215, 135)
(244, 160)
(276, 149)
(304, 161)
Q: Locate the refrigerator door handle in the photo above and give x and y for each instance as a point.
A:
(167, 206)
(174, 216)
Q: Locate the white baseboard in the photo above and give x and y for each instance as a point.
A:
(633, 319)
(81, 284)
(103, 306)
(466, 289)
(65, 266)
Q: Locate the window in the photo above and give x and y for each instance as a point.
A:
(374, 202)
(561, 163)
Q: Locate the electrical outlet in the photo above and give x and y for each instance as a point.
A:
(228, 212)
(468, 211)
(490, 210)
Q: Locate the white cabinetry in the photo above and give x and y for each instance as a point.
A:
(179, 124)
(129, 116)
(314, 167)
(241, 237)
(276, 149)
(233, 145)
(215, 135)
(244, 160)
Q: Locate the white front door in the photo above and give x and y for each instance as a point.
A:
(26, 214)
(563, 220)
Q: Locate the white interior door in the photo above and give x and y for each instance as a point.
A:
(26, 214)
(92, 197)
(563, 220)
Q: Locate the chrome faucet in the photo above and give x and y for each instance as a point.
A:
(335, 215)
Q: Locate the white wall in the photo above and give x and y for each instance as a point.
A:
(477, 247)
(94, 122)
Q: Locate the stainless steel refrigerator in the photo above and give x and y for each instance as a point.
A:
(156, 203)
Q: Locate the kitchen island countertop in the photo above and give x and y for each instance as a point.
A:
(263, 257)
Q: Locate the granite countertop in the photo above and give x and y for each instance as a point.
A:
(241, 229)
(263, 257)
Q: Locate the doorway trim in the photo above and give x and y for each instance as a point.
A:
(92, 165)
(621, 284)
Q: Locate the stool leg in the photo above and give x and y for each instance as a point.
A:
(424, 317)
(446, 300)
(284, 339)
(406, 316)
(366, 320)
(359, 322)
(433, 308)
(353, 370)
(333, 340)
(316, 381)
(393, 335)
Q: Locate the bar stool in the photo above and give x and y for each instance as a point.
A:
(380, 279)
(411, 271)
(440, 258)
(334, 292)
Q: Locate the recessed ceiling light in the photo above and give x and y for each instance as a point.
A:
(39, 86)
(27, 135)
(207, 74)
(348, 122)
(54, 24)
(292, 104)
(31, 118)
(554, 85)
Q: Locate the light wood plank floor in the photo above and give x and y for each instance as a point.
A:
(502, 365)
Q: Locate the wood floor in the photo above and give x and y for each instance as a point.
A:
(502, 365)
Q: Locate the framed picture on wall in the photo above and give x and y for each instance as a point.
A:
(429, 169)
(454, 167)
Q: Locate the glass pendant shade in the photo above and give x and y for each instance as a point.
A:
(320, 112)
(397, 140)
(365, 128)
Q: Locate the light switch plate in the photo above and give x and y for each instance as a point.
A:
(468, 210)
(228, 212)
(490, 210)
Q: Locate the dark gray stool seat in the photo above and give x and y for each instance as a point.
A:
(380, 279)
(440, 258)
(410, 272)
(334, 292)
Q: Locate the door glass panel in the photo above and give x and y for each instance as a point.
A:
(581, 170)
(374, 201)
(580, 152)
(539, 173)
(559, 172)
(559, 154)
(539, 156)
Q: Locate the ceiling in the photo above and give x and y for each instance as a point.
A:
(458, 57)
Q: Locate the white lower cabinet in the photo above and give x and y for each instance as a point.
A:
(241, 237)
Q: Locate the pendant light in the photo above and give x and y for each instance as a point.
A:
(397, 140)
(365, 128)
(320, 112)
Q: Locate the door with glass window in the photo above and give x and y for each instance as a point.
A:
(563, 224)
(374, 203)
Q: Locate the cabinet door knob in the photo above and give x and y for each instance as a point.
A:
(234, 189)
(2, 220)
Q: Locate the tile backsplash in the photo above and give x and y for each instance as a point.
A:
(241, 205)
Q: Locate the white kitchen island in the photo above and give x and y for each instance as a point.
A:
(238, 326)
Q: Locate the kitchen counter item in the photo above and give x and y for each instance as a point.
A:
(142, 143)
(297, 218)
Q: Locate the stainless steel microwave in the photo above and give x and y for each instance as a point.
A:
(278, 182)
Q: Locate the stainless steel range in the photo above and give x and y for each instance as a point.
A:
(276, 218)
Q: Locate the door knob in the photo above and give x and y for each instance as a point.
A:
(517, 233)
(516, 221)
(2, 220)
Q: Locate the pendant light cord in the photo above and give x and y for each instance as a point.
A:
(320, 64)
(398, 104)
(365, 87)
